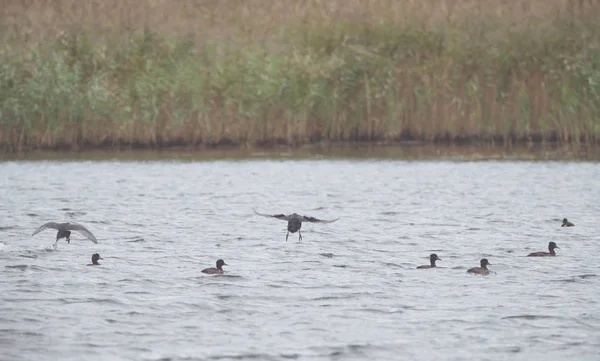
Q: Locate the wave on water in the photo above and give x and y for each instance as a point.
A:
(348, 291)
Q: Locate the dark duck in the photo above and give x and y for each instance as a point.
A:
(432, 258)
(551, 247)
(95, 258)
(566, 223)
(64, 231)
(295, 222)
(213, 270)
(482, 270)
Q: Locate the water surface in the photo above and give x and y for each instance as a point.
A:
(348, 291)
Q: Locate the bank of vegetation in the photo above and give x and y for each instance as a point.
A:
(156, 73)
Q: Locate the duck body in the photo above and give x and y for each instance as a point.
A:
(294, 224)
(566, 223)
(482, 270)
(64, 231)
(294, 221)
(551, 247)
(217, 270)
(212, 271)
(432, 258)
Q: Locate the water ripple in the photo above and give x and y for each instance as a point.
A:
(348, 290)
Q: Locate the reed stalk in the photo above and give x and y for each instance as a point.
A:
(154, 73)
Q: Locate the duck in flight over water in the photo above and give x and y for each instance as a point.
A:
(566, 223)
(551, 247)
(295, 222)
(95, 258)
(64, 231)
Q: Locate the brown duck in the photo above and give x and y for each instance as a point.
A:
(483, 270)
(551, 247)
(213, 270)
(432, 258)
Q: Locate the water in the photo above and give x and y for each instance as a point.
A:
(348, 291)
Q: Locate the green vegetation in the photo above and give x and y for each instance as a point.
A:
(95, 73)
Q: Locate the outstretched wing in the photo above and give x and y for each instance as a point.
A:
(316, 220)
(283, 217)
(52, 225)
(81, 229)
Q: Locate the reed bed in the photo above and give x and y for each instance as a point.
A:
(154, 73)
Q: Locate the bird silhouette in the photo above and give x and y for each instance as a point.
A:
(295, 221)
(64, 231)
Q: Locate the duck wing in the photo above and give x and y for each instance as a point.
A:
(316, 220)
(52, 225)
(81, 229)
(283, 217)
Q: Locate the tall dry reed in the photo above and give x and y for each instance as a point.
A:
(86, 73)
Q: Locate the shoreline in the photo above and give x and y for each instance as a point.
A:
(476, 141)
(409, 150)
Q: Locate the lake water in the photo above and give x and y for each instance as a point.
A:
(349, 290)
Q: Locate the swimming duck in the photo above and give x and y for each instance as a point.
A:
(218, 270)
(95, 258)
(432, 258)
(483, 270)
(64, 231)
(551, 247)
(566, 223)
(295, 222)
